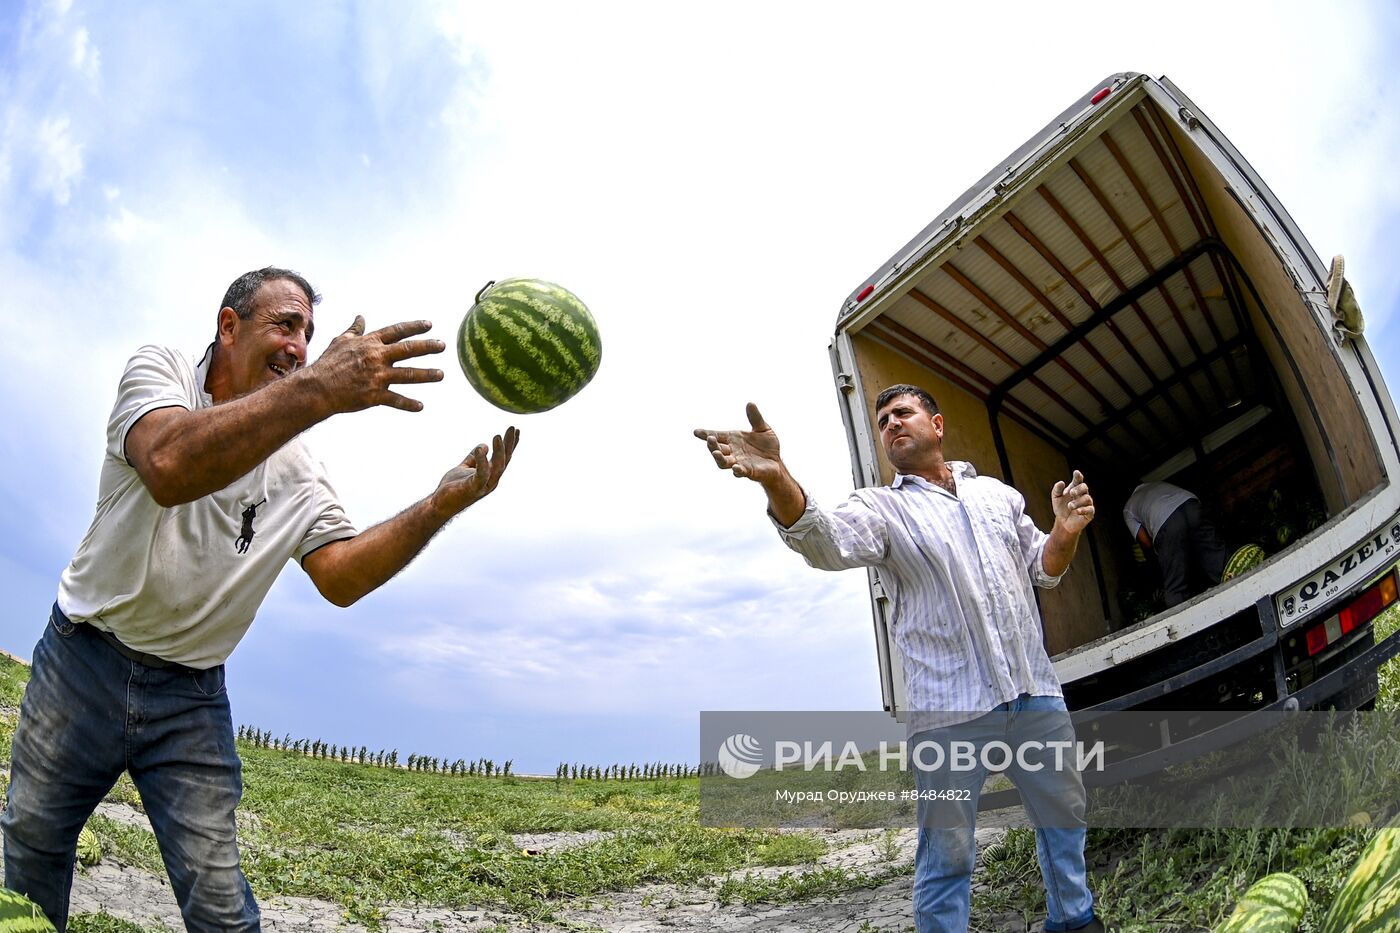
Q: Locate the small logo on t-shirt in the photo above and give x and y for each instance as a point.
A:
(246, 537)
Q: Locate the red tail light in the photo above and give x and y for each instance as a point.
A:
(1101, 95)
(1359, 611)
(1370, 605)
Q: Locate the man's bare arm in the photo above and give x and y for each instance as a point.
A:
(346, 570)
(754, 455)
(182, 455)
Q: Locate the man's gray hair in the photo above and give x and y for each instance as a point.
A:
(242, 294)
(894, 392)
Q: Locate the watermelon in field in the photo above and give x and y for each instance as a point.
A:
(89, 847)
(1273, 904)
(1369, 901)
(18, 914)
(528, 345)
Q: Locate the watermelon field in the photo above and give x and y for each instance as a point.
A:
(340, 845)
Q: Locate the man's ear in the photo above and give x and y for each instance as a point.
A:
(938, 424)
(228, 326)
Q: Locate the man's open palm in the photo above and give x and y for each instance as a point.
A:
(752, 454)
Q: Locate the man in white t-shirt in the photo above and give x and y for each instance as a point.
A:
(1170, 522)
(205, 493)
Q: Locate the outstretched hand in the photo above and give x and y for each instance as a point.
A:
(752, 454)
(356, 369)
(476, 476)
(1074, 507)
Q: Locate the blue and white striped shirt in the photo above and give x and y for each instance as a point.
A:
(958, 571)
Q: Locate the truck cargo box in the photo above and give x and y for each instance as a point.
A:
(1123, 295)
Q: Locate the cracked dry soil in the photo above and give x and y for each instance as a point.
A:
(135, 895)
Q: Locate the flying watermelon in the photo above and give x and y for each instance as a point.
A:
(527, 345)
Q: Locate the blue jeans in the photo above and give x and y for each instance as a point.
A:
(89, 714)
(1054, 798)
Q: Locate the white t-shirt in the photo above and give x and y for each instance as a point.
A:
(1151, 504)
(184, 583)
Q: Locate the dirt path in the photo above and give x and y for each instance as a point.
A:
(138, 896)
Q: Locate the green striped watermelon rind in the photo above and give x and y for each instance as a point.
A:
(1369, 901)
(89, 848)
(1273, 904)
(18, 914)
(1259, 918)
(1246, 558)
(528, 346)
(1381, 914)
(1281, 889)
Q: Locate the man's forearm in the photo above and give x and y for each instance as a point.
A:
(182, 455)
(1059, 550)
(786, 500)
(346, 570)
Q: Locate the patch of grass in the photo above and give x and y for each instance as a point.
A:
(1389, 697)
(366, 838)
(106, 923)
(789, 849)
(362, 836)
(1176, 879)
(129, 845)
(800, 886)
(13, 677)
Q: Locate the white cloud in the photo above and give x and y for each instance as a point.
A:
(86, 59)
(127, 226)
(60, 159)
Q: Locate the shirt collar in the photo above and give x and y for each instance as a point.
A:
(201, 373)
(961, 470)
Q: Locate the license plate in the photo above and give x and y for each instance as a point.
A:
(1357, 565)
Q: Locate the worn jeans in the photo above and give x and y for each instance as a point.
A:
(1190, 553)
(89, 714)
(1054, 798)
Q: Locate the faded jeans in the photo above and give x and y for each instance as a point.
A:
(1054, 800)
(88, 714)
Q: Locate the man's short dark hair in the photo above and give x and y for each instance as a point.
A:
(241, 295)
(894, 392)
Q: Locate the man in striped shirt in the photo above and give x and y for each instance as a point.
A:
(958, 557)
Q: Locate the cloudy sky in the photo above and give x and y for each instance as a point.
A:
(712, 180)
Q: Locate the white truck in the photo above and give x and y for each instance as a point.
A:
(1123, 295)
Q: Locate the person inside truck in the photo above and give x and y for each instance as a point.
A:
(1169, 521)
(960, 556)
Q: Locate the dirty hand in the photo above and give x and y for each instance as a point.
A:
(356, 369)
(476, 476)
(751, 454)
(1074, 507)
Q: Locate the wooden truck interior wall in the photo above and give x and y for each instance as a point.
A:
(1110, 316)
(1344, 475)
(1072, 612)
